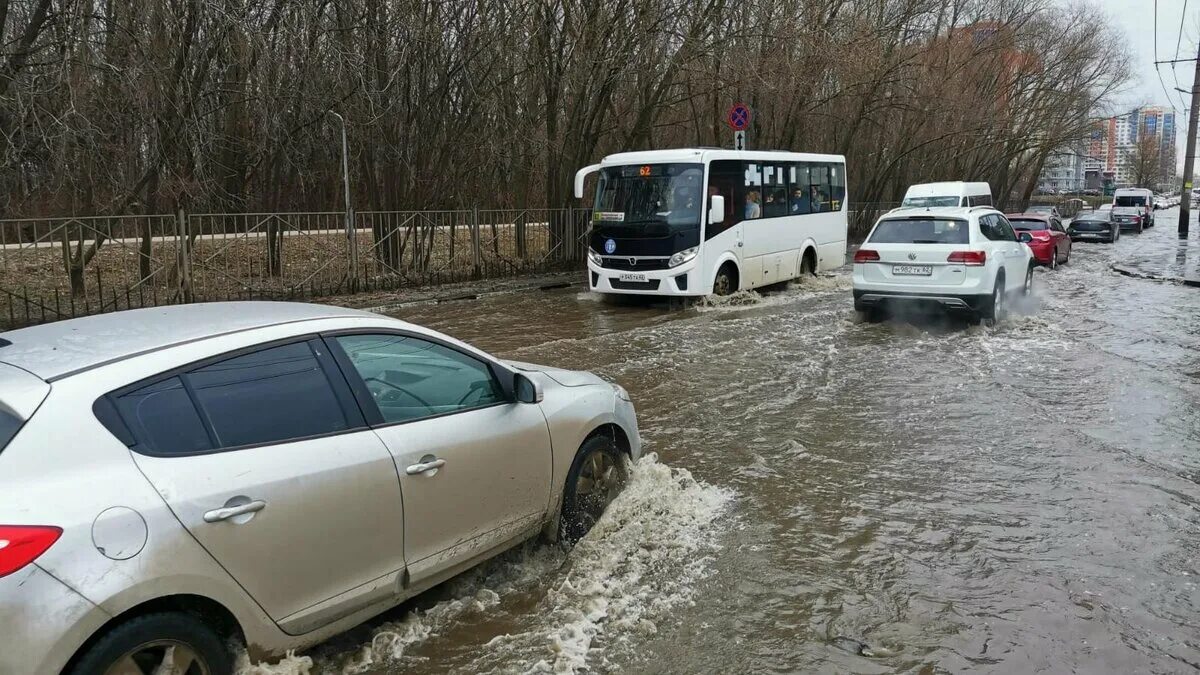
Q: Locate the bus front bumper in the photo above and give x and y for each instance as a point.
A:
(680, 281)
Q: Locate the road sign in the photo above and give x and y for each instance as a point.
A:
(739, 140)
(739, 117)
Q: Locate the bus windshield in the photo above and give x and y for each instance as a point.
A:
(650, 199)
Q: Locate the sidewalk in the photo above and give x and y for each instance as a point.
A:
(1160, 254)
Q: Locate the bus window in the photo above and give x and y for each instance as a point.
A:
(838, 185)
(800, 201)
(775, 197)
(751, 199)
(819, 189)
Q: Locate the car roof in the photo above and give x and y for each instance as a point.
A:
(1028, 215)
(55, 350)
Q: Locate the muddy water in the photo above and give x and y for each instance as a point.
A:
(836, 496)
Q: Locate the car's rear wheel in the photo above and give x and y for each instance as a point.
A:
(1054, 259)
(993, 309)
(1067, 257)
(594, 480)
(169, 642)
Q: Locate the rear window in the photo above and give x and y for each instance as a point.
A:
(1028, 224)
(929, 202)
(1129, 201)
(921, 231)
(10, 424)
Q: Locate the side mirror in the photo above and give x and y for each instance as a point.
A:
(1024, 237)
(716, 209)
(528, 391)
(581, 175)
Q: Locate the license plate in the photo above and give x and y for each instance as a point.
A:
(912, 270)
(632, 276)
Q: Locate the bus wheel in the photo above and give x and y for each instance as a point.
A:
(726, 281)
(808, 264)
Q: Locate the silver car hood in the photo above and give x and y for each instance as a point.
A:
(566, 378)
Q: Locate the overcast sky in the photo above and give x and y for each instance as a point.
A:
(1136, 19)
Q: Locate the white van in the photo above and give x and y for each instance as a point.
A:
(951, 193)
(1134, 202)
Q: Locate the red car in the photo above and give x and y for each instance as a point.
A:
(1050, 245)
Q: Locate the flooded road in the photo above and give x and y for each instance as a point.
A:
(836, 496)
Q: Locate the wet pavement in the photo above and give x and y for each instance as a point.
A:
(1163, 255)
(836, 496)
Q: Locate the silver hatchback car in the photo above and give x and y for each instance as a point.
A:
(177, 480)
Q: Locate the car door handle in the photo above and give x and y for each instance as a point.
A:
(227, 512)
(426, 464)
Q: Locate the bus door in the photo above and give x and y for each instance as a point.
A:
(725, 179)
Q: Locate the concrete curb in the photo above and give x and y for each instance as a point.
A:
(459, 296)
(1138, 274)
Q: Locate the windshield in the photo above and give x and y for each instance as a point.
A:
(929, 202)
(1129, 201)
(920, 231)
(664, 197)
(1028, 224)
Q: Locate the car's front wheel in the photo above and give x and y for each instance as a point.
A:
(167, 642)
(1027, 287)
(594, 480)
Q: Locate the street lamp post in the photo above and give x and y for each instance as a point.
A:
(351, 239)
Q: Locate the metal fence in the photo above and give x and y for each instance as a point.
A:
(55, 268)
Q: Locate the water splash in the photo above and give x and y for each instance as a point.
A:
(643, 557)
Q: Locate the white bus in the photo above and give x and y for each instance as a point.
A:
(699, 221)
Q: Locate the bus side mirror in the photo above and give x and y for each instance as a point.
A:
(581, 175)
(716, 209)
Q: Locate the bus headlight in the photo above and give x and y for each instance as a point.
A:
(686, 255)
(595, 257)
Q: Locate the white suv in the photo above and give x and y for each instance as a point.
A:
(965, 260)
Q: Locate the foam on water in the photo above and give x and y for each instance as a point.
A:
(289, 665)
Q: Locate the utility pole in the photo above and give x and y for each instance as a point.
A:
(1189, 157)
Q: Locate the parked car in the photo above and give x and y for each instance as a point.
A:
(1049, 241)
(1095, 225)
(1046, 209)
(272, 473)
(961, 260)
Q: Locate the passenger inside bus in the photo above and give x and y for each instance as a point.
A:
(753, 210)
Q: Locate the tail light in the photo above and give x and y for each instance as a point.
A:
(22, 544)
(967, 257)
(863, 255)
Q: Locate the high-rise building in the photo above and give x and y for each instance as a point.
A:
(1113, 144)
